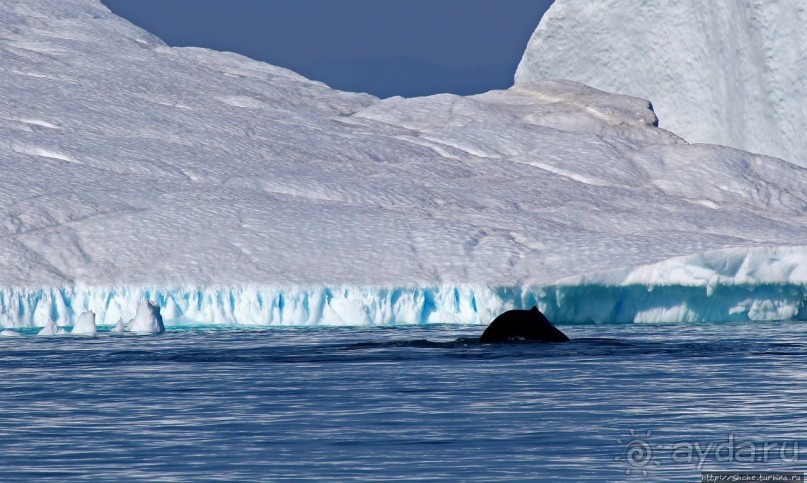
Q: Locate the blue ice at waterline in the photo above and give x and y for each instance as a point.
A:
(266, 306)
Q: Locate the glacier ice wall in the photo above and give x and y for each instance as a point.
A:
(723, 72)
(362, 306)
(727, 285)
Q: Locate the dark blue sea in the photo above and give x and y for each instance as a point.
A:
(417, 403)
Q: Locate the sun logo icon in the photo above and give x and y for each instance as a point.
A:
(638, 453)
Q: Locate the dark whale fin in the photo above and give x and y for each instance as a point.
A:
(516, 325)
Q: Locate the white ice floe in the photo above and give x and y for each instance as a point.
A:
(231, 191)
(9, 333)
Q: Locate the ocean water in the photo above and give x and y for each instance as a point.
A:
(417, 403)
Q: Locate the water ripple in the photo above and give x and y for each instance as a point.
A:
(412, 403)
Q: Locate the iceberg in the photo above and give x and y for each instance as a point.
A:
(229, 191)
(147, 319)
(85, 324)
(51, 328)
(727, 72)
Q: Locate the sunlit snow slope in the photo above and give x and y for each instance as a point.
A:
(232, 191)
(731, 72)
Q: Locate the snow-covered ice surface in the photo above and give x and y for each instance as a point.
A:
(729, 72)
(230, 191)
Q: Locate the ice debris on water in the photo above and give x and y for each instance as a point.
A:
(85, 325)
(119, 327)
(147, 320)
(51, 329)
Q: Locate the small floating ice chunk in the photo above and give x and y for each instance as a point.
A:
(147, 320)
(119, 327)
(9, 333)
(52, 329)
(85, 325)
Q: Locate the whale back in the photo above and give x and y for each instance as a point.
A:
(522, 325)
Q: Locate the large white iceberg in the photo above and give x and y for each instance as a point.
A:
(725, 72)
(231, 191)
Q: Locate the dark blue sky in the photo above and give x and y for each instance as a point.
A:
(385, 47)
